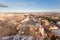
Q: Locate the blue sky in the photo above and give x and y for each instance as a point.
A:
(28, 5)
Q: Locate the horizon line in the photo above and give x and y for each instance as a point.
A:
(29, 11)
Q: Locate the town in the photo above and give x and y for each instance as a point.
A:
(30, 26)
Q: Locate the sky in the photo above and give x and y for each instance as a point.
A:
(29, 5)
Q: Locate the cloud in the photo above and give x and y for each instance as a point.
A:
(20, 4)
(31, 3)
(25, 4)
(3, 5)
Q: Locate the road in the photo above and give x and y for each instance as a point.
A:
(17, 37)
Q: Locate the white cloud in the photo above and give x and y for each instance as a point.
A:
(25, 4)
(20, 4)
